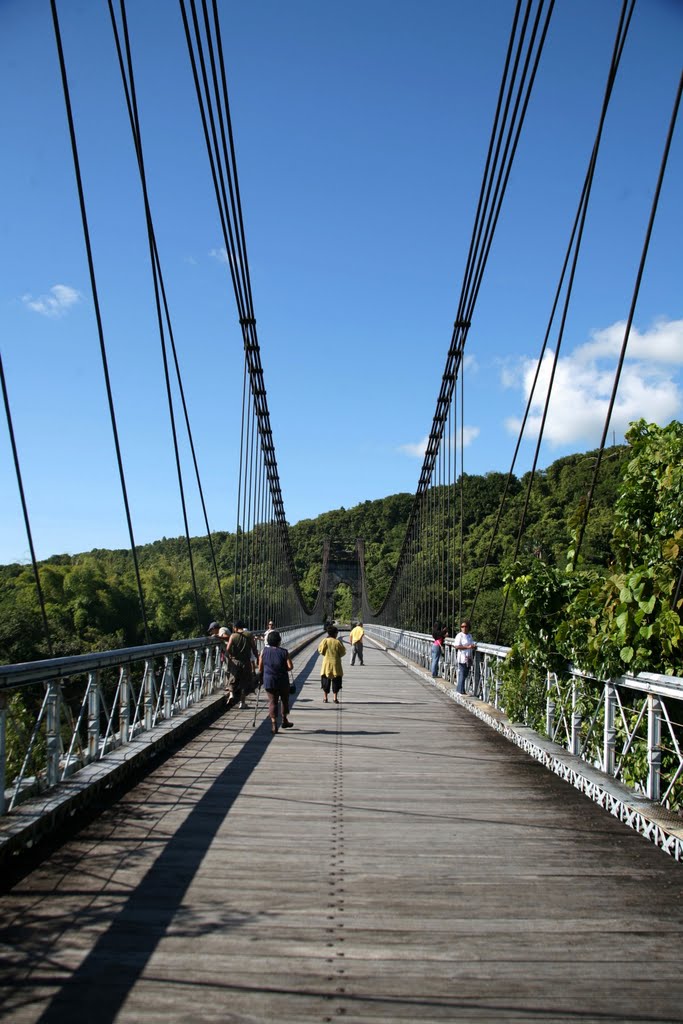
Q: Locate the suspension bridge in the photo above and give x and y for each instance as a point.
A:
(413, 851)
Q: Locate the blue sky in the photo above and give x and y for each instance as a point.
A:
(361, 131)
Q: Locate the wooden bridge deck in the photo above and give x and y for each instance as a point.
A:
(391, 859)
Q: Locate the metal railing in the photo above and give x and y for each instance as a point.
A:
(630, 728)
(57, 716)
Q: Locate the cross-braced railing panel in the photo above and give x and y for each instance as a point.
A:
(57, 716)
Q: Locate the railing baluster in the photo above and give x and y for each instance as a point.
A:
(3, 749)
(53, 741)
(576, 719)
(124, 705)
(148, 684)
(183, 681)
(167, 683)
(93, 716)
(549, 704)
(654, 747)
(610, 732)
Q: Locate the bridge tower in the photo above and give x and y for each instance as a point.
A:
(341, 567)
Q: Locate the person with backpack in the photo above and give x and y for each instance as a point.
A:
(241, 647)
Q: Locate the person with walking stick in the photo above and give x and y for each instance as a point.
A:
(274, 666)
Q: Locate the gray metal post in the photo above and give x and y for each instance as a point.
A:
(124, 705)
(3, 750)
(167, 683)
(549, 706)
(148, 683)
(183, 681)
(610, 732)
(576, 720)
(93, 716)
(52, 717)
(197, 675)
(654, 747)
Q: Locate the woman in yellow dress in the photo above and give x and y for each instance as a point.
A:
(331, 673)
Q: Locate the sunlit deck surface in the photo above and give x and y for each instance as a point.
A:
(389, 859)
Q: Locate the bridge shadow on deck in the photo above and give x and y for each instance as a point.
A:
(122, 952)
(503, 874)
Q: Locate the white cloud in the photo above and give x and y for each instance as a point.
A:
(223, 256)
(584, 380)
(56, 303)
(220, 254)
(663, 343)
(418, 449)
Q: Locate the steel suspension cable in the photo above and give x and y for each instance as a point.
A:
(128, 80)
(222, 159)
(485, 223)
(620, 39)
(135, 127)
(24, 509)
(96, 305)
(629, 322)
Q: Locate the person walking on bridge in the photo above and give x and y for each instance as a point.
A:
(274, 665)
(356, 639)
(241, 646)
(331, 672)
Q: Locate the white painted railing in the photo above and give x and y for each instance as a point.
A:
(57, 716)
(631, 728)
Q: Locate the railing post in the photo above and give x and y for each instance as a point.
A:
(124, 705)
(52, 717)
(148, 683)
(576, 719)
(3, 750)
(654, 747)
(549, 706)
(610, 732)
(93, 716)
(197, 675)
(167, 683)
(183, 681)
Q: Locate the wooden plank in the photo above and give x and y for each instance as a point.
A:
(389, 859)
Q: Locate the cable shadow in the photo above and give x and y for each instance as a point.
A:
(98, 988)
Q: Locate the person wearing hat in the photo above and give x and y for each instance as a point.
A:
(241, 646)
(213, 629)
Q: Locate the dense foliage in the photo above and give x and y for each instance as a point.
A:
(92, 600)
(623, 616)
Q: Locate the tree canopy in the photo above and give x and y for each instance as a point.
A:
(92, 600)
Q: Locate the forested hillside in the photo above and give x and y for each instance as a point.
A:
(92, 603)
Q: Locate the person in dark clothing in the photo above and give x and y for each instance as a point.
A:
(275, 664)
(241, 646)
